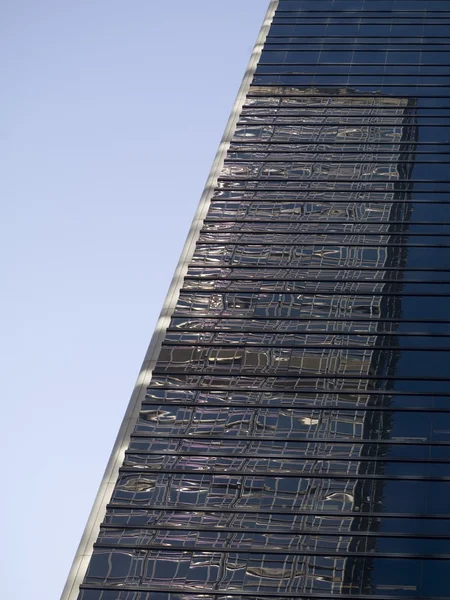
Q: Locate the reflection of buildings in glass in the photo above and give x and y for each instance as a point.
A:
(214, 345)
(245, 327)
(388, 217)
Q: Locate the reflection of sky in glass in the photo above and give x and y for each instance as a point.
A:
(295, 435)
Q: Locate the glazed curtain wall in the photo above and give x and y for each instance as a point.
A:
(295, 438)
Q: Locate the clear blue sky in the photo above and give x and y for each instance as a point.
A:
(111, 113)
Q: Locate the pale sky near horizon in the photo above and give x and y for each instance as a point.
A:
(111, 114)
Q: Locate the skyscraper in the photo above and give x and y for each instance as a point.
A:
(289, 436)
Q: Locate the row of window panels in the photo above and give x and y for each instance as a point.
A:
(304, 362)
(433, 85)
(385, 190)
(256, 286)
(311, 306)
(288, 523)
(284, 423)
(356, 56)
(317, 46)
(320, 171)
(274, 275)
(439, 93)
(435, 97)
(394, 189)
(376, 121)
(386, 238)
(336, 98)
(300, 110)
(318, 256)
(366, 338)
(350, 207)
(383, 233)
(265, 572)
(426, 18)
(259, 492)
(429, 73)
(323, 41)
(402, 168)
(388, 123)
(311, 383)
(286, 466)
(366, 134)
(400, 155)
(359, 451)
(390, 133)
(345, 400)
(361, 27)
(342, 104)
(360, 5)
(351, 229)
(312, 326)
(426, 326)
(278, 154)
(291, 305)
(271, 542)
(388, 198)
(338, 188)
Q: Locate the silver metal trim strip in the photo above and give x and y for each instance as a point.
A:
(90, 534)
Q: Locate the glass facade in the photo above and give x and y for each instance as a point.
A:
(295, 437)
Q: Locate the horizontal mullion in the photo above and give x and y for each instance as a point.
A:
(325, 116)
(390, 46)
(355, 38)
(342, 143)
(325, 268)
(327, 233)
(352, 64)
(339, 111)
(362, 17)
(318, 160)
(324, 293)
(332, 201)
(412, 152)
(356, 74)
(318, 243)
(311, 333)
(303, 346)
(264, 551)
(331, 222)
(322, 124)
(301, 376)
(287, 475)
(339, 180)
(345, 392)
(424, 22)
(245, 438)
(317, 457)
(315, 319)
(335, 86)
(264, 280)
